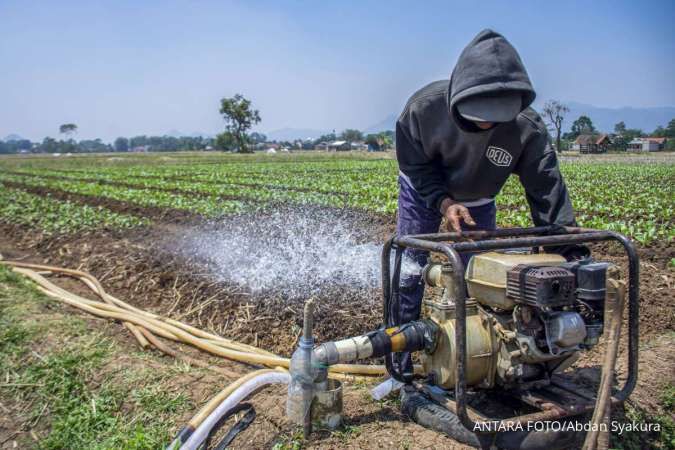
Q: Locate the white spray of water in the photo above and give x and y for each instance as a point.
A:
(297, 253)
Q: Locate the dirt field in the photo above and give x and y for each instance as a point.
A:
(139, 267)
(144, 268)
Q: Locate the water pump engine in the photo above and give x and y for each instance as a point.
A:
(528, 316)
(513, 321)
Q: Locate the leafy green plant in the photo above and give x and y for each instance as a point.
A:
(55, 216)
(634, 199)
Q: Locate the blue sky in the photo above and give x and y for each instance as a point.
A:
(147, 67)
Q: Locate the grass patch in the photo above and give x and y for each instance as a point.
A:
(347, 432)
(642, 437)
(62, 384)
(290, 442)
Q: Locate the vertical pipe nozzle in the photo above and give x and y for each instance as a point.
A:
(308, 320)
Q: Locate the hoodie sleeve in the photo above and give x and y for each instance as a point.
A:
(424, 173)
(544, 186)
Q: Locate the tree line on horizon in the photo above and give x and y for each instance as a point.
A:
(255, 140)
(554, 113)
(239, 117)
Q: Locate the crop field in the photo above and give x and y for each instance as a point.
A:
(632, 198)
(170, 232)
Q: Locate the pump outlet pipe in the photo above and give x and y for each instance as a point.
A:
(411, 337)
(301, 386)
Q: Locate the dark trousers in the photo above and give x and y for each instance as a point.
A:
(414, 217)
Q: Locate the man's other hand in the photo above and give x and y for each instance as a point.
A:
(455, 213)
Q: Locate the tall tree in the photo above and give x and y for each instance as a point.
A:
(49, 145)
(624, 135)
(325, 138)
(380, 141)
(225, 141)
(620, 128)
(667, 132)
(659, 132)
(554, 111)
(583, 125)
(374, 142)
(121, 144)
(351, 135)
(68, 129)
(670, 129)
(239, 117)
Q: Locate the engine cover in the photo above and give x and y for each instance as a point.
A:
(487, 272)
(542, 287)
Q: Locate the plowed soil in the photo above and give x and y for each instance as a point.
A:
(141, 268)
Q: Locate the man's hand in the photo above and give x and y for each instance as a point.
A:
(455, 213)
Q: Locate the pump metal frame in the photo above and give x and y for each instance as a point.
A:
(451, 245)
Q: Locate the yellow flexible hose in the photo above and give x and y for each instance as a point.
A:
(97, 288)
(145, 326)
(114, 308)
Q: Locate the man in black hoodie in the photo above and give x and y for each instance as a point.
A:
(458, 142)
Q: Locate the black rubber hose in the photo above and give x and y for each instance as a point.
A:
(236, 429)
(431, 415)
(392, 306)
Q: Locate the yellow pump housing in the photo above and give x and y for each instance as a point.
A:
(481, 346)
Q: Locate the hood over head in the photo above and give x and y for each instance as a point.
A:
(489, 68)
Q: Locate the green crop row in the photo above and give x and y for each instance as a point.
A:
(207, 206)
(636, 199)
(55, 216)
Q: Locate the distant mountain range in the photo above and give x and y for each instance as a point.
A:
(388, 123)
(177, 134)
(290, 134)
(604, 119)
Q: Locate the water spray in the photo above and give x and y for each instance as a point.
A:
(294, 254)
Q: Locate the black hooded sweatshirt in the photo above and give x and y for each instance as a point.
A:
(443, 155)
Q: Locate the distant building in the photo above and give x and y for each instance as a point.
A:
(337, 146)
(359, 146)
(647, 144)
(140, 149)
(321, 146)
(591, 143)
